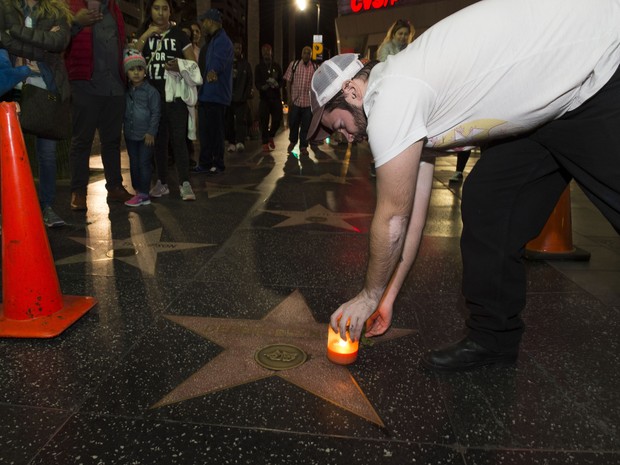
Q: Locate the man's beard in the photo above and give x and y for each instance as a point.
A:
(361, 122)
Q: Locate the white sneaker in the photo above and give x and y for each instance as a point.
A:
(159, 189)
(240, 147)
(186, 191)
(232, 148)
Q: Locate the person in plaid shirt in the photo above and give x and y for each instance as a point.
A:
(298, 77)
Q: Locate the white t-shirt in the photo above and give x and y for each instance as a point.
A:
(494, 69)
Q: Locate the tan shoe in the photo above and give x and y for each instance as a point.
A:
(118, 194)
(78, 201)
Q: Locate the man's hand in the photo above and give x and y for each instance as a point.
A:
(353, 315)
(379, 322)
(149, 140)
(86, 17)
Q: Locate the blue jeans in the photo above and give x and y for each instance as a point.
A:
(140, 165)
(46, 154)
(299, 119)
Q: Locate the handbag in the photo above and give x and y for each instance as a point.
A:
(44, 113)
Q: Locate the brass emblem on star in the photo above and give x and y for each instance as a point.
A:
(122, 252)
(280, 357)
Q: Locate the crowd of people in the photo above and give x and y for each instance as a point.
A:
(161, 90)
(167, 86)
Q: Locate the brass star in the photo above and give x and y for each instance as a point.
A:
(317, 215)
(291, 322)
(139, 250)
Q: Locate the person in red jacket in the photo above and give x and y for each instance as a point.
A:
(94, 61)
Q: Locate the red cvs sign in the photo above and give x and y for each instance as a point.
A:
(365, 5)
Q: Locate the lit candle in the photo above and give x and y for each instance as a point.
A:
(341, 351)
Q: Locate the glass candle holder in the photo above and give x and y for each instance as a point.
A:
(341, 351)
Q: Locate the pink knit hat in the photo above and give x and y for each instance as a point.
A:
(132, 59)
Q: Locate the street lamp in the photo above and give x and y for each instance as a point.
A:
(302, 4)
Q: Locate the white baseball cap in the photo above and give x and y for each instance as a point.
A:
(327, 81)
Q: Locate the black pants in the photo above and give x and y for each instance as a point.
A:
(509, 196)
(172, 133)
(267, 108)
(461, 160)
(89, 113)
(211, 123)
(299, 119)
(237, 122)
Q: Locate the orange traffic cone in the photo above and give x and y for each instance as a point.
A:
(32, 306)
(555, 241)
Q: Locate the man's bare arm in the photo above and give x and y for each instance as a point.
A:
(380, 321)
(396, 190)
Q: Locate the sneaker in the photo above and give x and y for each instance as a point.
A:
(267, 148)
(137, 200)
(186, 191)
(199, 169)
(159, 189)
(240, 147)
(456, 177)
(232, 147)
(214, 171)
(51, 219)
(272, 144)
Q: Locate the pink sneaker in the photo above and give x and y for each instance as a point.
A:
(138, 199)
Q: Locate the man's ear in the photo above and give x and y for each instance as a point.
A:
(352, 91)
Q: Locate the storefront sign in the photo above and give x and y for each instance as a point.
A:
(348, 7)
(365, 5)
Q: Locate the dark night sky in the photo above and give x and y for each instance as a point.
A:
(305, 25)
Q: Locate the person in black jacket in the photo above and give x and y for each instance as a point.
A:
(268, 81)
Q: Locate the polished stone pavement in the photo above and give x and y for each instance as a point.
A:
(161, 370)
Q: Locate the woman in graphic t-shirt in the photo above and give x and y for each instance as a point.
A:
(161, 44)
